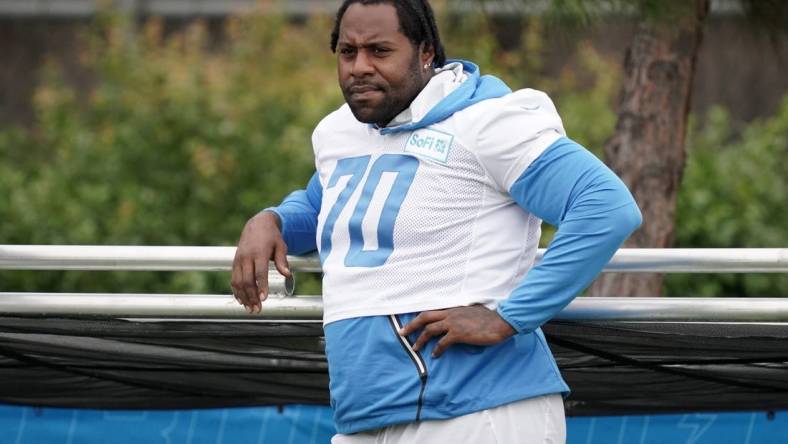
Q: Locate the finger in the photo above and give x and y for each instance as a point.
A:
(280, 259)
(433, 329)
(444, 343)
(421, 320)
(249, 286)
(235, 280)
(261, 278)
(237, 284)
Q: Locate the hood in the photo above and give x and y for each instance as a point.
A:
(455, 87)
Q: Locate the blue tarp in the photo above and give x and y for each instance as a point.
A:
(268, 425)
(313, 425)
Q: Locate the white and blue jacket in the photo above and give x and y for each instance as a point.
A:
(442, 208)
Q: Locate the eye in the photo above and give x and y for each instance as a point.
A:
(347, 50)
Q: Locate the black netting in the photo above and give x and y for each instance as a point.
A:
(653, 367)
(612, 367)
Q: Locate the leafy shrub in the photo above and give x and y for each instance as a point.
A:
(175, 145)
(734, 195)
(181, 139)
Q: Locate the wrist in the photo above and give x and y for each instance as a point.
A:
(506, 330)
(507, 320)
(269, 218)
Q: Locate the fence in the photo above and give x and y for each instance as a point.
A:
(281, 307)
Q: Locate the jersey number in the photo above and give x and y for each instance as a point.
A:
(405, 167)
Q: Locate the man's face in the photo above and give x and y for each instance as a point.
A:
(380, 70)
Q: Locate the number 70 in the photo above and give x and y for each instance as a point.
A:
(355, 167)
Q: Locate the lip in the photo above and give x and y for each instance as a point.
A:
(365, 94)
(360, 89)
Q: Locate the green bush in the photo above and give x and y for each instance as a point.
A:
(181, 139)
(734, 195)
(175, 145)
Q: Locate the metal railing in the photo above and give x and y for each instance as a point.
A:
(630, 260)
(282, 308)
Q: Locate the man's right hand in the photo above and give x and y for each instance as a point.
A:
(261, 240)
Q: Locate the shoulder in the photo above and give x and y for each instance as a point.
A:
(522, 109)
(508, 133)
(524, 97)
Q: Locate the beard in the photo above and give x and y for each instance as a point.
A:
(377, 102)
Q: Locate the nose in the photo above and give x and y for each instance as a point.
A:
(362, 65)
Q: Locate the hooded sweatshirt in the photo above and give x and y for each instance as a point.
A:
(443, 208)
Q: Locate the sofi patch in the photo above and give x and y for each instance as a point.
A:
(430, 143)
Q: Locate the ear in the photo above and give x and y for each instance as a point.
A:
(427, 54)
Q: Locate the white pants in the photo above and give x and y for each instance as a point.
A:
(536, 420)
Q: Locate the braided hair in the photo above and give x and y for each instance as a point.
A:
(416, 21)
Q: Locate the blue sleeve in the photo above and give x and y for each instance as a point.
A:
(298, 214)
(567, 186)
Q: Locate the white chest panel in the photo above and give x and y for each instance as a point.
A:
(411, 222)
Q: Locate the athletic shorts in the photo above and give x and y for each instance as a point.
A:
(537, 420)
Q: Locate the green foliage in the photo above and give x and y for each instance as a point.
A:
(734, 195)
(181, 139)
(586, 13)
(175, 145)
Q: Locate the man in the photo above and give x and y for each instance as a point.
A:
(426, 207)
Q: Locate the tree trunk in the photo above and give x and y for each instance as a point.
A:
(647, 148)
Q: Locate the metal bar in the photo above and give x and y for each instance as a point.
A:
(310, 308)
(279, 285)
(630, 260)
(700, 260)
(119, 305)
(677, 309)
(132, 258)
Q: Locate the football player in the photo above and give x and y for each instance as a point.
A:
(431, 184)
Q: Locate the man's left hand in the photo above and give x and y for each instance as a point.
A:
(475, 325)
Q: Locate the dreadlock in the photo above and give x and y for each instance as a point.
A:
(416, 21)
